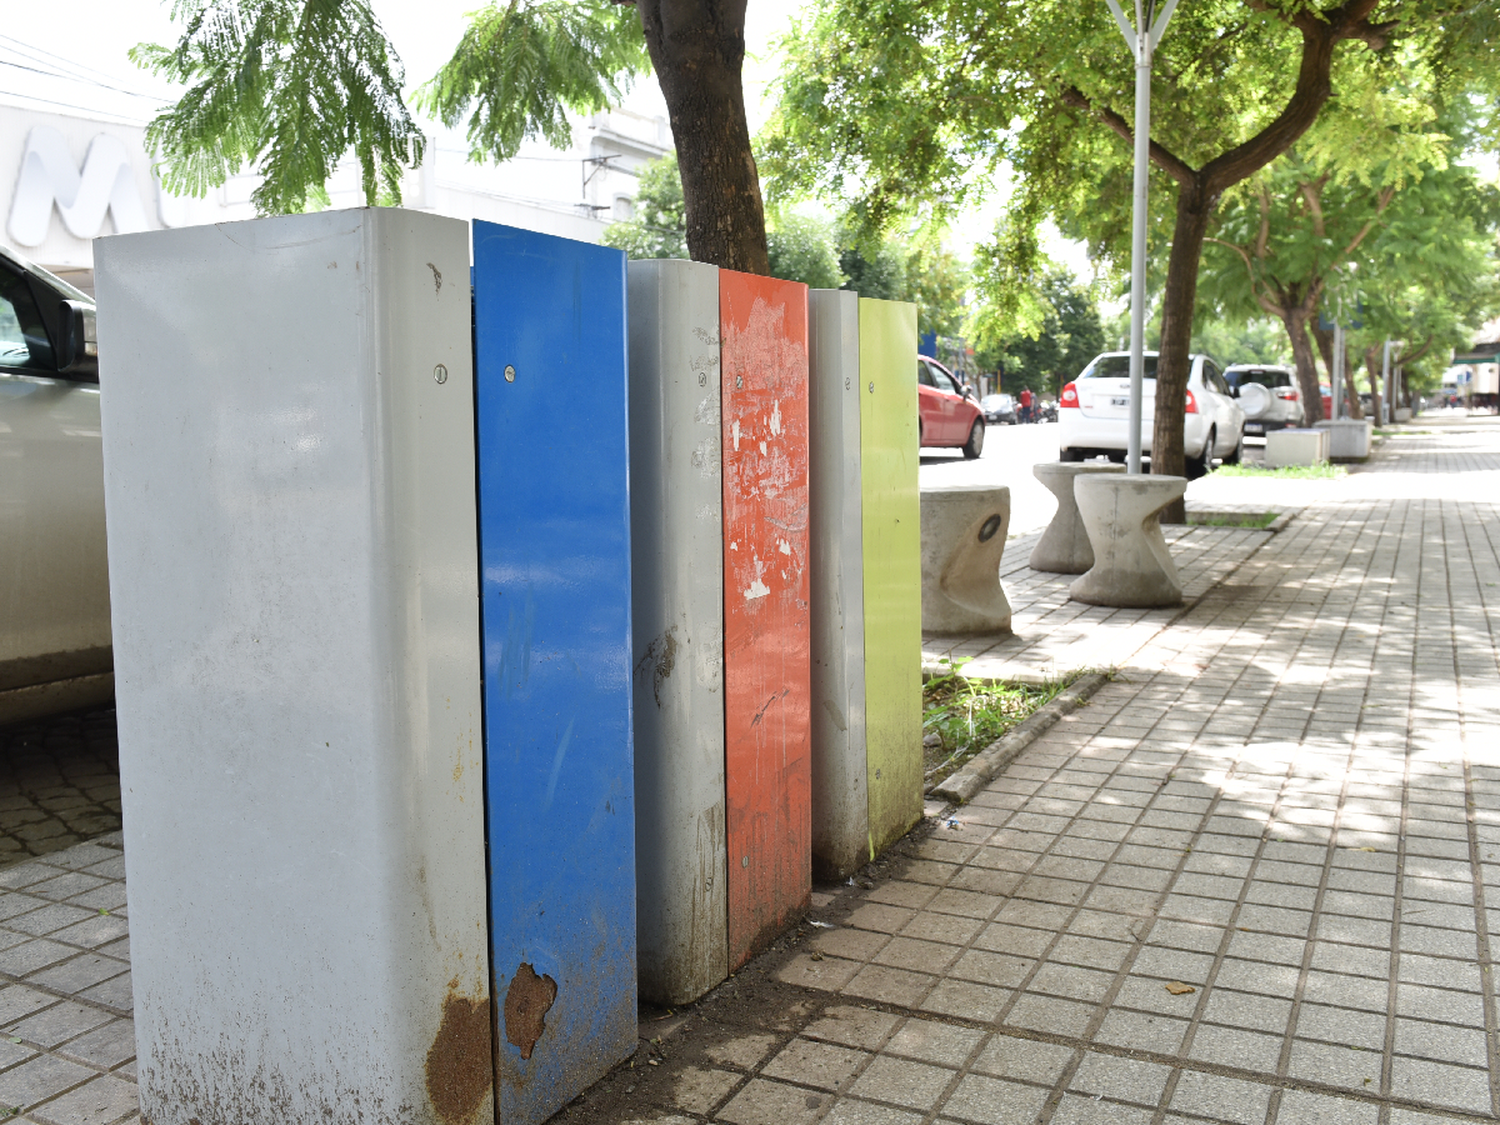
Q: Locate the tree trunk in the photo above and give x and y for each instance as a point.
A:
(698, 50)
(1295, 318)
(1174, 362)
(1372, 367)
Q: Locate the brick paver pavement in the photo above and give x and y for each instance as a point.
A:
(59, 783)
(1256, 880)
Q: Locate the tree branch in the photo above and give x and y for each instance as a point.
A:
(1321, 32)
(1172, 165)
(1255, 289)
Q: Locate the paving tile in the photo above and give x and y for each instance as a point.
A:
(942, 1044)
(1223, 1099)
(1232, 1046)
(1076, 1109)
(985, 967)
(1335, 1065)
(889, 986)
(852, 1112)
(1440, 1084)
(856, 945)
(103, 1099)
(1049, 1014)
(699, 1090)
(864, 1028)
(1248, 1010)
(919, 956)
(967, 1000)
(914, 1085)
(827, 973)
(1347, 1026)
(63, 1021)
(44, 1076)
(1120, 1079)
(812, 1063)
(993, 1101)
(763, 1102)
(1298, 1107)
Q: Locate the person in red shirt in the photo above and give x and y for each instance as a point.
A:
(1025, 404)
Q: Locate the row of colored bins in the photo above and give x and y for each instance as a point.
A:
(376, 867)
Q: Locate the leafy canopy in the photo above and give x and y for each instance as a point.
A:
(289, 87)
(286, 86)
(523, 64)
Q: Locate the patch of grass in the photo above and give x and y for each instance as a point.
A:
(967, 715)
(1232, 519)
(1324, 471)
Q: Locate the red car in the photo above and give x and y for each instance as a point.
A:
(947, 415)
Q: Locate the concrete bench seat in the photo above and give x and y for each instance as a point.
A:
(1132, 567)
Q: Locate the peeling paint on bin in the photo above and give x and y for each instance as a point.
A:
(554, 530)
(767, 690)
(677, 536)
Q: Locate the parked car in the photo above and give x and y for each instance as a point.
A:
(1095, 413)
(947, 415)
(1267, 394)
(55, 650)
(999, 409)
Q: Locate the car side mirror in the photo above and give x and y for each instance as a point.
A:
(79, 354)
(968, 391)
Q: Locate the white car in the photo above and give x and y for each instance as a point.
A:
(1094, 413)
(1268, 395)
(55, 650)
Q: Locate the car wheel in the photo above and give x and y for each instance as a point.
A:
(1237, 454)
(975, 445)
(1202, 465)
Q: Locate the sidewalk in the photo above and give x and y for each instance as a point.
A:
(1252, 881)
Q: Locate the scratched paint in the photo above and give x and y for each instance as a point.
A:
(892, 568)
(767, 691)
(555, 604)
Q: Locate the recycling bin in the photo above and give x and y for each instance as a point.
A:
(555, 566)
(721, 673)
(866, 579)
(287, 408)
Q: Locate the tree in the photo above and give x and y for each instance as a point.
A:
(288, 87)
(1412, 219)
(1069, 335)
(890, 101)
(658, 229)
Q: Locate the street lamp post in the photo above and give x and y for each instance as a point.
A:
(1141, 40)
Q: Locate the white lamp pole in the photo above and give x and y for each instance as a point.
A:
(1141, 40)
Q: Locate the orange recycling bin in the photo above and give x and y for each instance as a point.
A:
(767, 688)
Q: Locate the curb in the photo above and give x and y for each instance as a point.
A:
(960, 787)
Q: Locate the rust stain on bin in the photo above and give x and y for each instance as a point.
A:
(458, 1062)
(526, 1003)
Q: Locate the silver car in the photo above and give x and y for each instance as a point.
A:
(1267, 394)
(54, 587)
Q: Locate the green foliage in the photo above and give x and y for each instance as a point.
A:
(801, 248)
(285, 86)
(920, 271)
(523, 64)
(914, 107)
(1321, 471)
(1068, 335)
(659, 226)
(967, 715)
(1258, 340)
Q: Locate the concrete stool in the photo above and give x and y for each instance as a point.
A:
(963, 537)
(1064, 546)
(1132, 567)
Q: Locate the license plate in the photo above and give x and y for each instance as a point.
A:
(1119, 402)
(1254, 428)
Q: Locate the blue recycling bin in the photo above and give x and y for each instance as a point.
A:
(554, 538)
